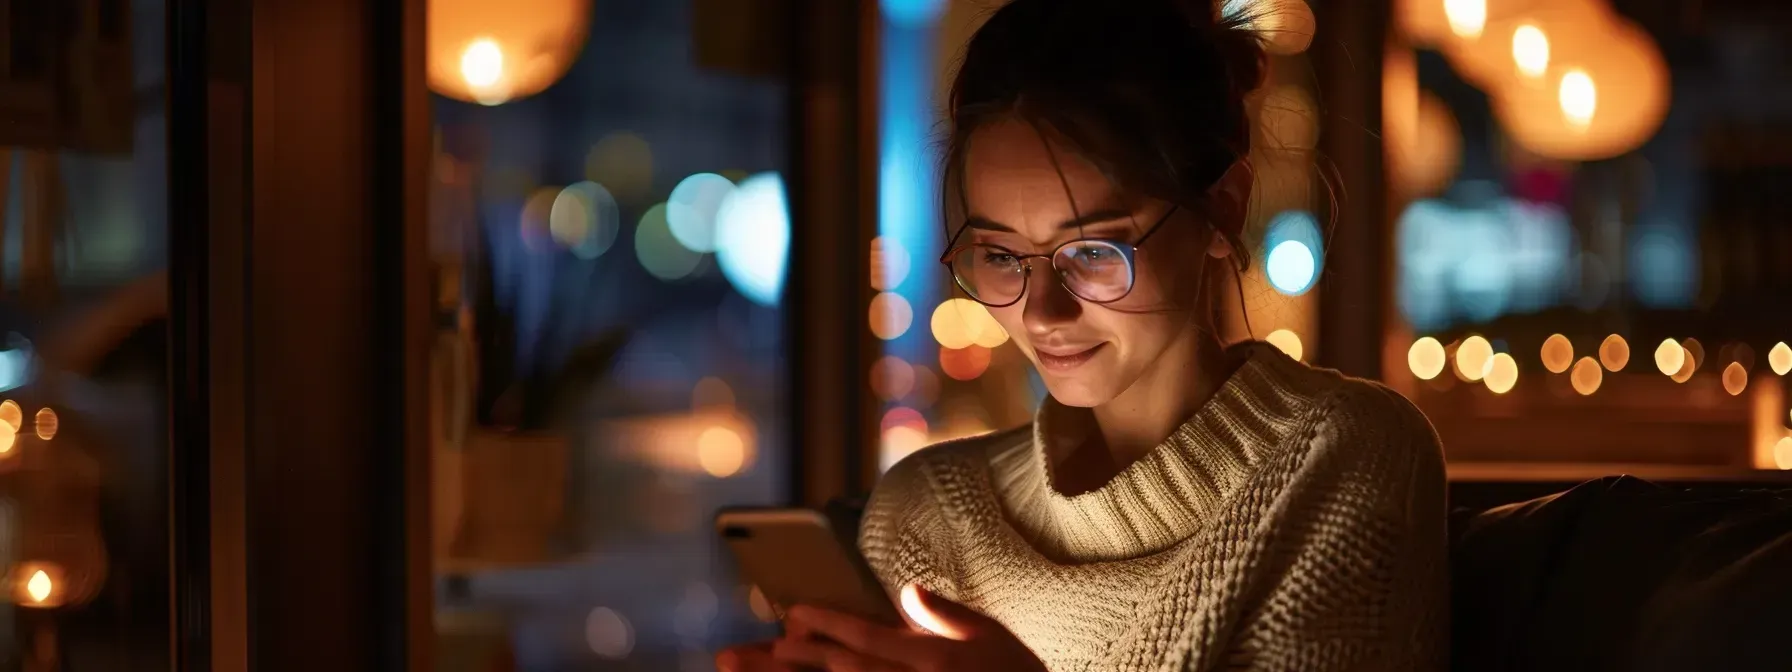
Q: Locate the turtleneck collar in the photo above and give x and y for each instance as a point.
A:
(1172, 490)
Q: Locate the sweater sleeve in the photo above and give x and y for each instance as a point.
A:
(1354, 562)
(903, 534)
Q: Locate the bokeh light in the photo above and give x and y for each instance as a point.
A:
(889, 263)
(608, 634)
(1695, 352)
(1735, 378)
(1602, 98)
(1467, 17)
(912, 13)
(927, 386)
(965, 363)
(892, 378)
(1287, 119)
(1578, 97)
(1614, 353)
(12, 415)
(481, 53)
(7, 440)
(1782, 453)
(961, 323)
(658, 251)
(753, 238)
(903, 416)
(1473, 358)
(1294, 256)
(622, 162)
(1502, 373)
(1558, 353)
(1530, 50)
(1586, 376)
(692, 208)
(585, 219)
(722, 452)
(46, 423)
(1426, 358)
(1287, 341)
(1669, 357)
(898, 443)
(891, 315)
(538, 212)
(1780, 359)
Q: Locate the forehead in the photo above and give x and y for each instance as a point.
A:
(1024, 178)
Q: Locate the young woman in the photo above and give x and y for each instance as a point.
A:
(1177, 503)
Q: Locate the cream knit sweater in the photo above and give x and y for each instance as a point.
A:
(1295, 523)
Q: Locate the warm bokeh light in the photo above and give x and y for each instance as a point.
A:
(12, 414)
(900, 442)
(961, 323)
(711, 392)
(1558, 353)
(1614, 353)
(1782, 453)
(1426, 358)
(1502, 373)
(1695, 352)
(1688, 367)
(1578, 97)
(1607, 94)
(1467, 17)
(481, 52)
(927, 386)
(721, 452)
(47, 423)
(890, 315)
(1286, 341)
(39, 586)
(964, 363)
(889, 264)
(1473, 358)
(1735, 379)
(1530, 50)
(903, 416)
(1670, 357)
(536, 219)
(1586, 376)
(8, 440)
(892, 378)
(1780, 359)
(1423, 141)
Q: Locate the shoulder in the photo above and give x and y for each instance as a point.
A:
(1369, 440)
(944, 466)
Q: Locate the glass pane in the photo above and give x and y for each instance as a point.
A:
(1591, 255)
(83, 300)
(610, 236)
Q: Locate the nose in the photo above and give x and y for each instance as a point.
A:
(1047, 305)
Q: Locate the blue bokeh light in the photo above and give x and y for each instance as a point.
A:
(753, 238)
(913, 13)
(1294, 252)
(692, 207)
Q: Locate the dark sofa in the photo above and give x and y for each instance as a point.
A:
(1612, 574)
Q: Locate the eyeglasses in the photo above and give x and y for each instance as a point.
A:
(1094, 270)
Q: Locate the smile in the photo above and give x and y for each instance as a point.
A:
(1066, 360)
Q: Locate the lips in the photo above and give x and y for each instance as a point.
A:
(1065, 359)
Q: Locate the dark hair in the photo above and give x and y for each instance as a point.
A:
(1151, 92)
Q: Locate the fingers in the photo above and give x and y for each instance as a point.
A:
(829, 656)
(941, 616)
(853, 632)
(750, 658)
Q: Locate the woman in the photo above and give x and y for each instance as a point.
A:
(1177, 504)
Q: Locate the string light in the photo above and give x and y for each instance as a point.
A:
(1669, 357)
(1502, 373)
(1735, 378)
(1780, 358)
(1558, 353)
(1473, 358)
(1426, 358)
(1614, 353)
(1586, 376)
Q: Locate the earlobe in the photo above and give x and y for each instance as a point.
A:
(1219, 247)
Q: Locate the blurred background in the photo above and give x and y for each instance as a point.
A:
(1560, 231)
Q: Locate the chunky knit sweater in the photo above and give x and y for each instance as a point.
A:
(1296, 522)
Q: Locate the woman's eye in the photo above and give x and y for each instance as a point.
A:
(1000, 260)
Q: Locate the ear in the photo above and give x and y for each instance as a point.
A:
(1231, 198)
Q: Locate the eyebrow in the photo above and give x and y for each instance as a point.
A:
(1096, 217)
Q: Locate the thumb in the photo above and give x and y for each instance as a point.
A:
(941, 616)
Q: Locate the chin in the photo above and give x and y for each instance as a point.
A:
(1085, 389)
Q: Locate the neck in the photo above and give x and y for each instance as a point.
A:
(1183, 379)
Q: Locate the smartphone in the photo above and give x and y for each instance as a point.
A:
(796, 556)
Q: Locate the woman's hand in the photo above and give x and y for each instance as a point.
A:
(951, 638)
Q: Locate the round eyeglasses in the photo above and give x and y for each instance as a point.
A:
(1093, 269)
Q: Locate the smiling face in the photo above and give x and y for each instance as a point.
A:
(1029, 196)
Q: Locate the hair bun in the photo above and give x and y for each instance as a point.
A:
(1230, 26)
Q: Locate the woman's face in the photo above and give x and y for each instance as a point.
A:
(1020, 199)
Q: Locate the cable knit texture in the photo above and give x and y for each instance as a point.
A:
(1296, 522)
